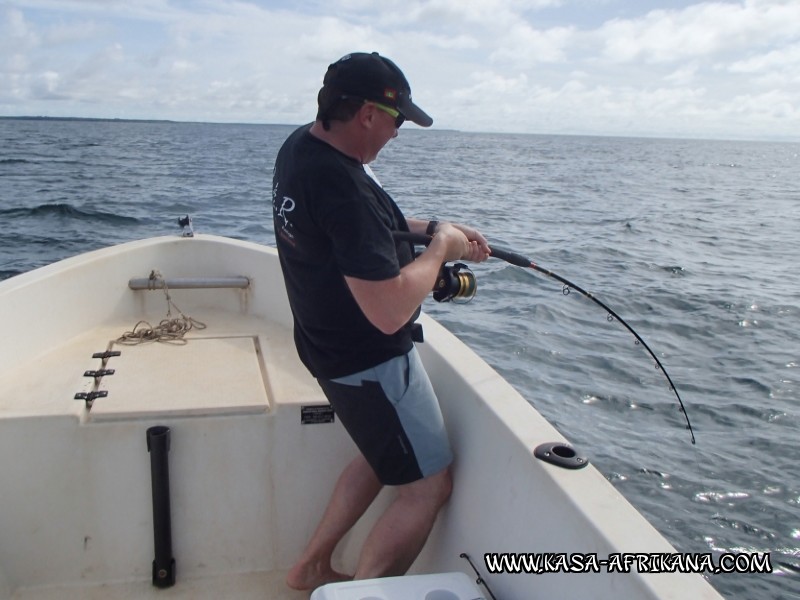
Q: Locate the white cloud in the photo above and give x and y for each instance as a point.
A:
(700, 30)
(46, 85)
(684, 75)
(17, 37)
(327, 38)
(183, 67)
(710, 68)
(524, 46)
(783, 59)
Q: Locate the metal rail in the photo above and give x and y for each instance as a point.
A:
(189, 283)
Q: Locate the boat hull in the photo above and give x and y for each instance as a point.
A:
(248, 477)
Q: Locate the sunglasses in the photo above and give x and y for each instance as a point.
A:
(399, 119)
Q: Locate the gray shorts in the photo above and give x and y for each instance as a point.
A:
(393, 416)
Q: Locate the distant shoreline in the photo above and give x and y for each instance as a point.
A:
(41, 118)
(789, 139)
(123, 120)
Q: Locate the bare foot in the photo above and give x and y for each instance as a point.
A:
(305, 576)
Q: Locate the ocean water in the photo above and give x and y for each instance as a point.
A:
(694, 243)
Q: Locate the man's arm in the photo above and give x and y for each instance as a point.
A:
(389, 304)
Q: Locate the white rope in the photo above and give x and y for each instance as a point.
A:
(170, 330)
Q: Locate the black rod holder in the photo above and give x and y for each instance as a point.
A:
(164, 563)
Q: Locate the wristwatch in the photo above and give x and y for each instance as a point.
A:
(431, 228)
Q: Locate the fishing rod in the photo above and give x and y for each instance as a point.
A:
(458, 282)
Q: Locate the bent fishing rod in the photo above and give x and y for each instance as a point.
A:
(458, 281)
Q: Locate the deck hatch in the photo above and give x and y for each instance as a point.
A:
(204, 376)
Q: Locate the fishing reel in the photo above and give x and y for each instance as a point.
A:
(456, 283)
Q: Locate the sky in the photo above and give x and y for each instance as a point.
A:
(726, 69)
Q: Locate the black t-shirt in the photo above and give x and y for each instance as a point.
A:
(332, 219)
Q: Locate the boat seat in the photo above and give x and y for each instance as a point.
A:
(436, 586)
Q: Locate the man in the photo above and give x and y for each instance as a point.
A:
(354, 295)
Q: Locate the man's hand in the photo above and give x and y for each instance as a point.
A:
(478, 250)
(451, 241)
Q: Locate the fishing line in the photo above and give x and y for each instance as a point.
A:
(521, 261)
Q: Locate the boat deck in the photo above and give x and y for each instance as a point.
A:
(242, 586)
(231, 396)
(249, 362)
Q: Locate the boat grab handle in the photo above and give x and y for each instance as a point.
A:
(188, 283)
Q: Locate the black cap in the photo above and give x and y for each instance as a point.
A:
(376, 78)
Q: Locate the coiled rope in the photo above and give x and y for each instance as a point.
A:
(170, 330)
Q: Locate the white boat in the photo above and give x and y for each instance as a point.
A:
(252, 456)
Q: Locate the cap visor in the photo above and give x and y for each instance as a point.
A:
(414, 113)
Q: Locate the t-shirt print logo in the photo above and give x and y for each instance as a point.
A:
(287, 206)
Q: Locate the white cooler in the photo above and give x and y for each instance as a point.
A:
(438, 586)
